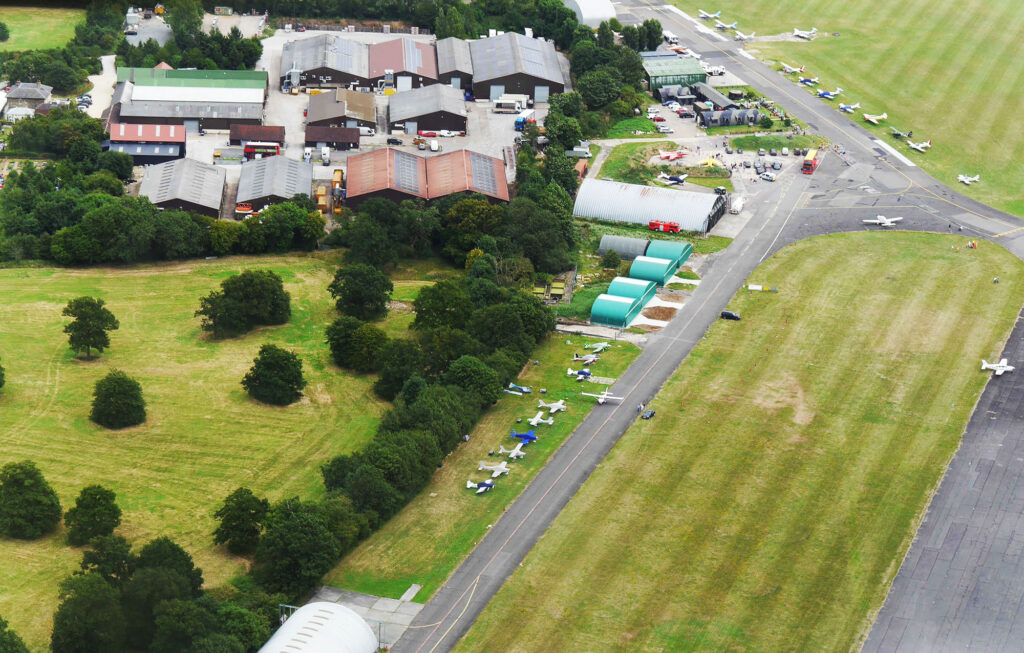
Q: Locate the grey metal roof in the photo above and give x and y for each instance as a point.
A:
(512, 53)
(146, 149)
(131, 108)
(627, 247)
(29, 91)
(424, 100)
(326, 51)
(407, 171)
(711, 95)
(186, 180)
(453, 55)
(275, 175)
(618, 202)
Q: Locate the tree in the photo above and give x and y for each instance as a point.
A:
(346, 523)
(472, 374)
(95, 514)
(163, 553)
(178, 623)
(9, 640)
(370, 490)
(252, 298)
(119, 163)
(2, 377)
(766, 121)
(241, 521)
(611, 260)
(568, 104)
(339, 339)
(5, 33)
(631, 37)
(29, 508)
(88, 330)
(275, 376)
(598, 88)
(147, 589)
(89, 618)
(185, 17)
(446, 303)
(297, 548)
(117, 401)
(653, 34)
(397, 361)
(605, 38)
(365, 347)
(111, 557)
(362, 291)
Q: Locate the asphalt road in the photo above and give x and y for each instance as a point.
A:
(836, 198)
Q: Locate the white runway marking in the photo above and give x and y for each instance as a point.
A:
(892, 150)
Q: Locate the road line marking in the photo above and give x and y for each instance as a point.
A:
(892, 150)
(1007, 233)
(744, 53)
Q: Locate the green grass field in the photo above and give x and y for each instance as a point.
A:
(768, 504)
(35, 28)
(946, 70)
(752, 143)
(203, 436)
(625, 128)
(427, 540)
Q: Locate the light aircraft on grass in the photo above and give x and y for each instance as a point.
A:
(586, 359)
(603, 397)
(538, 419)
(553, 406)
(849, 108)
(898, 134)
(830, 95)
(481, 487)
(964, 179)
(808, 81)
(515, 452)
(673, 155)
(672, 179)
(998, 368)
(801, 34)
(740, 36)
(705, 15)
(520, 388)
(525, 438)
(920, 147)
(883, 221)
(873, 119)
(722, 26)
(598, 347)
(495, 470)
(790, 70)
(579, 374)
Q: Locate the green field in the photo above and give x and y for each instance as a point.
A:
(203, 436)
(768, 504)
(752, 143)
(946, 70)
(427, 540)
(35, 28)
(625, 128)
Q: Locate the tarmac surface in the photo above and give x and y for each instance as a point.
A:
(977, 606)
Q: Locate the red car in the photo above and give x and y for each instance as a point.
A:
(427, 134)
(658, 119)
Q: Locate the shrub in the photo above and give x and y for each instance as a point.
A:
(247, 300)
(117, 401)
(361, 291)
(95, 514)
(241, 521)
(29, 508)
(611, 260)
(275, 376)
(9, 640)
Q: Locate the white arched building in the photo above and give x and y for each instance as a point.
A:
(322, 628)
(591, 12)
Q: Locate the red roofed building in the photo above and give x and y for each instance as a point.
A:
(412, 64)
(465, 171)
(148, 143)
(398, 175)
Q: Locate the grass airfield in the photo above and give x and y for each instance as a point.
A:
(769, 503)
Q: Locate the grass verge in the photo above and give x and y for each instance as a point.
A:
(625, 128)
(777, 141)
(582, 300)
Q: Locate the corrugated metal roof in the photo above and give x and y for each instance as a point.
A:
(453, 56)
(340, 104)
(264, 133)
(146, 149)
(619, 202)
(672, 66)
(403, 55)
(429, 178)
(193, 78)
(327, 51)
(125, 132)
(386, 168)
(462, 170)
(186, 180)
(408, 105)
(675, 251)
(627, 247)
(711, 95)
(632, 288)
(613, 310)
(275, 175)
(191, 110)
(197, 94)
(316, 134)
(512, 53)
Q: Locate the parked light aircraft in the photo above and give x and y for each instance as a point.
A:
(964, 179)
(586, 359)
(883, 221)
(722, 26)
(998, 368)
(495, 470)
(790, 70)
(808, 81)
(740, 36)
(538, 419)
(513, 453)
(849, 108)
(672, 179)
(920, 147)
(830, 95)
(874, 119)
(705, 15)
(601, 398)
(898, 134)
(553, 406)
(579, 374)
(520, 388)
(598, 347)
(481, 487)
(801, 34)
(525, 438)
(673, 155)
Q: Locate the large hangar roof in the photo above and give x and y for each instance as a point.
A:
(591, 12)
(275, 175)
(512, 53)
(387, 169)
(619, 202)
(327, 51)
(429, 178)
(403, 55)
(193, 78)
(409, 105)
(628, 247)
(462, 170)
(322, 627)
(453, 55)
(185, 179)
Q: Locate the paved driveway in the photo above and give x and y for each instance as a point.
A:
(103, 87)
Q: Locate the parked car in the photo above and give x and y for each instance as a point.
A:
(761, 152)
(785, 151)
(730, 315)
(658, 119)
(444, 133)
(739, 150)
(772, 152)
(422, 145)
(747, 164)
(394, 141)
(728, 149)
(685, 113)
(427, 134)
(434, 146)
(776, 166)
(665, 129)
(768, 176)
(720, 190)
(648, 414)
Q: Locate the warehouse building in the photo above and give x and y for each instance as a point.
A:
(591, 12)
(431, 108)
(342, 107)
(402, 64)
(399, 175)
(242, 134)
(614, 311)
(454, 63)
(615, 201)
(656, 270)
(185, 184)
(674, 70)
(272, 180)
(464, 171)
(712, 97)
(728, 117)
(338, 138)
(322, 627)
(325, 60)
(673, 250)
(517, 64)
(148, 144)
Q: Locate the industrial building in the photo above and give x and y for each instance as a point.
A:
(322, 627)
(185, 184)
(728, 117)
(615, 201)
(198, 99)
(148, 144)
(339, 138)
(517, 64)
(399, 175)
(464, 171)
(242, 134)
(712, 97)
(674, 70)
(342, 107)
(331, 60)
(272, 180)
(680, 94)
(656, 270)
(454, 63)
(431, 108)
(591, 12)
(402, 64)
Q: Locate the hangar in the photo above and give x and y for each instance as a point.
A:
(272, 180)
(325, 60)
(431, 108)
(322, 627)
(342, 107)
(714, 98)
(185, 184)
(454, 63)
(673, 250)
(641, 290)
(728, 117)
(648, 268)
(193, 98)
(591, 12)
(615, 201)
(614, 311)
(627, 247)
(515, 63)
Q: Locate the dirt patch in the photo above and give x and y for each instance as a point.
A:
(399, 307)
(786, 392)
(671, 297)
(659, 312)
(646, 328)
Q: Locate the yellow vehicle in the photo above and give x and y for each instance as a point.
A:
(159, 9)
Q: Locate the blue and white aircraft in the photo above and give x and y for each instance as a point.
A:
(830, 95)
(521, 389)
(525, 438)
(808, 81)
(705, 15)
(722, 26)
(849, 108)
(579, 374)
(481, 487)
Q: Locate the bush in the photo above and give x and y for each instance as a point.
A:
(117, 401)
(2, 377)
(95, 514)
(361, 291)
(9, 640)
(275, 376)
(29, 508)
(252, 298)
(766, 122)
(241, 521)
(611, 260)
(297, 548)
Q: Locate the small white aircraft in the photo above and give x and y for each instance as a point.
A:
(740, 36)
(883, 221)
(495, 470)
(705, 15)
(830, 95)
(875, 119)
(672, 179)
(964, 179)
(849, 108)
(601, 398)
(539, 419)
(598, 347)
(673, 155)
(920, 147)
(808, 81)
(515, 452)
(553, 406)
(586, 359)
(722, 26)
(801, 34)
(481, 487)
(790, 70)
(998, 368)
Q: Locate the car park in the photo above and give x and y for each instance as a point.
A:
(730, 315)
(394, 141)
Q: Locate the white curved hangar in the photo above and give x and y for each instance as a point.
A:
(591, 12)
(322, 628)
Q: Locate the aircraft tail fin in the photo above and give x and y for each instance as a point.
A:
(470, 485)
(985, 364)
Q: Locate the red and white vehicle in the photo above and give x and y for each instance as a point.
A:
(661, 225)
(426, 134)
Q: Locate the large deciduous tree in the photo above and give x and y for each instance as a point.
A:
(474, 376)
(361, 291)
(111, 557)
(241, 521)
(89, 326)
(275, 376)
(9, 640)
(252, 298)
(29, 508)
(90, 618)
(117, 401)
(297, 548)
(95, 514)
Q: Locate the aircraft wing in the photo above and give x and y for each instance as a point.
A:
(482, 489)
(1004, 362)
(999, 371)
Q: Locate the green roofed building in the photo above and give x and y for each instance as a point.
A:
(675, 251)
(614, 311)
(657, 270)
(193, 78)
(638, 289)
(669, 71)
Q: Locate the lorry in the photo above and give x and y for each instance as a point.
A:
(525, 117)
(307, 154)
(510, 103)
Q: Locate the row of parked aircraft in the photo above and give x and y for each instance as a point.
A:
(740, 36)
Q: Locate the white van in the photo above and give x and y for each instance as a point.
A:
(737, 205)
(434, 147)
(367, 131)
